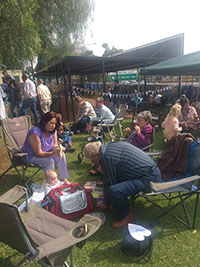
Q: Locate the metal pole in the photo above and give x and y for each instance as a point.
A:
(65, 90)
(179, 84)
(70, 91)
(56, 74)
(103, 75)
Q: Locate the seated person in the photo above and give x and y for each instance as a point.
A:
(51, 181)
(41, 145)
(188, 117)
(141, 134)
(171, 122)
(127, 170)
(64, 139)
(85, 113)
(104, 113)
(173, 161)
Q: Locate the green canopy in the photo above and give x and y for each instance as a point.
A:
(183, 65)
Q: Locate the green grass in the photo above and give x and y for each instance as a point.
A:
(174, 244)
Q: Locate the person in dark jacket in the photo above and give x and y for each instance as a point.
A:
(14, 95)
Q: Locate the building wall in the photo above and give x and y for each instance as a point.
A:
(16, 73)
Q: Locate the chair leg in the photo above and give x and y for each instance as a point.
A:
(71, 261)
(195, 210)
(9, 168)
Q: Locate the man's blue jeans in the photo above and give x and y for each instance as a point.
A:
(30, 103)
(117, 195)
(13, 105)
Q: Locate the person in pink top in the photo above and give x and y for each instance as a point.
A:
(171, 122)
(188, 117)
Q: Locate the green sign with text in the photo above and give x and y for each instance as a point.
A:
(124, 77)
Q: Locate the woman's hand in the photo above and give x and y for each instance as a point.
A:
(137, 129)
(56, 151)
(127, 130)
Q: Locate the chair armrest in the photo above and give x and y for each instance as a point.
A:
(147, 147)
(153, 153)
(68, 240)
(157, 187)
(13, 195)
(15, 152)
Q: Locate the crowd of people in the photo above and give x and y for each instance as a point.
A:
(126, 168)
(29, 95)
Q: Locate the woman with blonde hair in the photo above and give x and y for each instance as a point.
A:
(171, 122)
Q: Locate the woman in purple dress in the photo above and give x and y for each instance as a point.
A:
(141, 134)
(42, 148)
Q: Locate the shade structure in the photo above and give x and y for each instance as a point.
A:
(134, 58)
(187, 65)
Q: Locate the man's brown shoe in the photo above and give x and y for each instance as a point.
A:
(123, 222)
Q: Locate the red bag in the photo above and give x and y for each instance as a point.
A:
(69, 201)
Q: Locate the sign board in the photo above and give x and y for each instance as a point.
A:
(124, 77)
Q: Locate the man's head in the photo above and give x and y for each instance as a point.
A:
(91, 151)
(116, 82)
(39, 81)
(51, 177)
(99, 101)
(24, 77)
(8, 78)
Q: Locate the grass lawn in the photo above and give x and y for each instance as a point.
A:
(174, 244)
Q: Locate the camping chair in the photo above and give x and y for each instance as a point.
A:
(14, 134)
(40, 235)
(181, 189)
(115, 124)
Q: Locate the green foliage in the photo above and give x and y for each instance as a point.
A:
(37, 27)
(110, 51)
(18, 33)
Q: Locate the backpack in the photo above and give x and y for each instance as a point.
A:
(69, 201)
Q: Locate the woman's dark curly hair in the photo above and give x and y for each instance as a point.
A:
(46, 118)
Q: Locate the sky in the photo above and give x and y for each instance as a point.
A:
(130, 23)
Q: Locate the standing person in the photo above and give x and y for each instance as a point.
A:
(2, 106)
(104, 113)
(44, 95)
(29, 97)
(127, 170)
(41, 145)
(85, 113)
(14, 95)
(171, 122)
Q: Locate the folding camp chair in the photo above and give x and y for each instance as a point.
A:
(181, 189)
(40, 235)
(115, 124)
(14, 133)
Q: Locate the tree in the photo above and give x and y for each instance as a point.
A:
(49, 29)
(110, 52)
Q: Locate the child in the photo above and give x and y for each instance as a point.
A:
(51, 181)
(64, 139)
(63, 136)
(171, 123)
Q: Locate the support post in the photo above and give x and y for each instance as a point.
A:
(103, 75)
(65, 90)
(179, 84)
